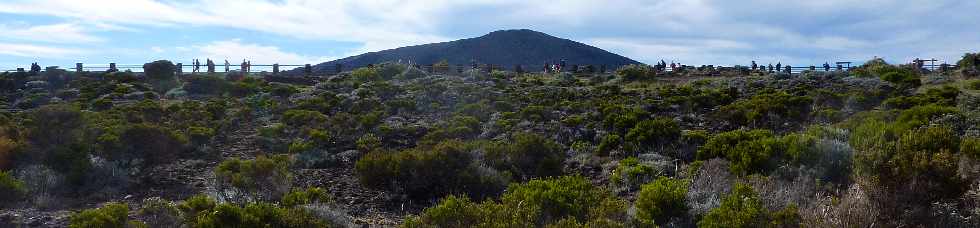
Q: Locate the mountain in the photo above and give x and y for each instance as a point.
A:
(506, 48)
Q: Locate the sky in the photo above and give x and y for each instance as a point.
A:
(692, 32)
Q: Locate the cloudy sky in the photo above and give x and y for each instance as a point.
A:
(720, 32)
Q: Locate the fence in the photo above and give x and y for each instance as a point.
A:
(458, 68)
(181, 68)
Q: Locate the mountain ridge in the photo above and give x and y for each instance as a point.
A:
(505, 48)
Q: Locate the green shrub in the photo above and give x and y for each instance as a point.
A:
(741, 208)
(635, 72)
(161, 74)
(657, 202)
(11, 189)
(452, 211)
(109, 215)
(655, 132)
(262, 177)
(302, 118)
(535, 113)
(308, 196)
(969, 60)
(251, 215)
(245, 87)
(157, 212)
(200, 135)
(195, 205)
(944, 96)
(368, 142)
(927, 155)
(152, 144)
(921, 115)
(537, 203)
(422, 172)
(206, 85)
(9, 148)
(281, 89)
(973, 85)
(902, 78)
(299, 146)
(749, 151)
(767, 110)
(365, 74)
(609, 142)
(970, 147)
(533, 155)
(631, 173)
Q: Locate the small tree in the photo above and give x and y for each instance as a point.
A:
(161, 74)
(661, 200)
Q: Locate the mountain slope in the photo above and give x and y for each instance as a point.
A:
(505, 48)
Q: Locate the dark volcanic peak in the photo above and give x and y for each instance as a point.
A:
(506, 48)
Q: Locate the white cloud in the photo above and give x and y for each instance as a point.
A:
(34, 51)
(692, 31)
(234, 51)
(53, 33)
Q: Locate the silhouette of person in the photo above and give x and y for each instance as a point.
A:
(227, 66)
(779, 65)
(826, 66)
(770, 68)
(754, 65)
(210, 66)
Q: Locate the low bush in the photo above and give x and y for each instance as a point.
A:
(609, 143)
(157, 212)
(529, 155)
(203, 212)
(307, 196)
(537, 203)
(149, 145)
(262, 178)
(973, 85)
(421, 172)
(749, 151)
(742, 208)
(635, 72)
(768, 110)
(207, 85)
(303, 118)
(631, 173)
(365, 74)
(655, 132)
(11, 189)
(661, 200)
(110, 215)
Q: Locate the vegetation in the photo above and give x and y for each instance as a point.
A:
(881, 145)
(660, 200)
(112, 215)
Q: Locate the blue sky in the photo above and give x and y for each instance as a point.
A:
(719, 32)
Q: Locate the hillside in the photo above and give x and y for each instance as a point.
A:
(506, 48)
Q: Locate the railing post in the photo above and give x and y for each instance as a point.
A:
(180, 69)
(78, 67)
(275, 69)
